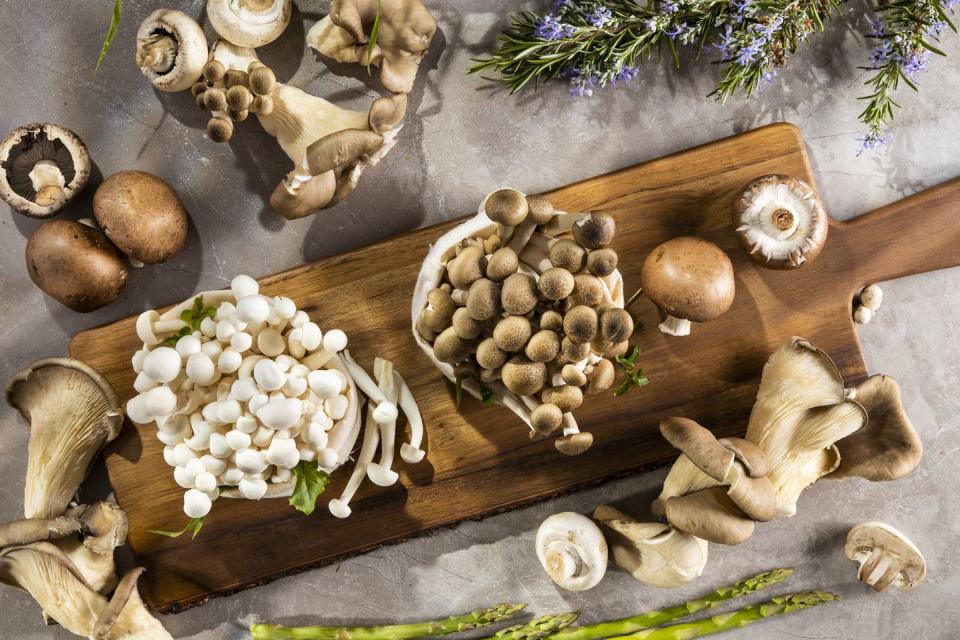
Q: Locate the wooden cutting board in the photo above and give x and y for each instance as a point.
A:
(480, 460)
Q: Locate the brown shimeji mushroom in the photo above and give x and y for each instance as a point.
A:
(171, 50)
(42, 167)
(886, 556)
(594, 231)
(690, 280)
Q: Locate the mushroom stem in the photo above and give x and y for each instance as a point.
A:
(675, 326)
(48, 182)
(340, 507)
(410, 451)
(381, 473)
(157, 53)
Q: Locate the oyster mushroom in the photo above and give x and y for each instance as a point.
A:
(654, 553)
(780, 222)
(171, 50)
(572, 550)
(404, 33)
(43, 166)
(886, 556)
(75, 265)
(142, 215)
(73, 412)
(690, 280)
(249, 23)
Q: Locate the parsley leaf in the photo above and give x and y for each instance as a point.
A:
(194, 525)
(311, 482)
(633, 375)
(486, 394)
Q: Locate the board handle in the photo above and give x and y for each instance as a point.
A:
(915, 235)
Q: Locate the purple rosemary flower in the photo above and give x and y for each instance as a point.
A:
(880, 54)
(726, 42)
(877, 28)
(951, 4)
(914, 62)
(625, 75)
(745, 8)
(749, 52)
(599, 16)
(652, 24)
(560, 6)
(675, 30)
(581, 85)
(872, 141)
(766, 80)
(669, 7)
(937, 28)
(768, 28)
(549, 28)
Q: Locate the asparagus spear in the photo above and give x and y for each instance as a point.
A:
(736, 619)
(662, 616)
(538, 628)
(453, 624)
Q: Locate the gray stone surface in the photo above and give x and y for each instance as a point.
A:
(463, 138)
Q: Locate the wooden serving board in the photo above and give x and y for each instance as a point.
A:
(481, 460)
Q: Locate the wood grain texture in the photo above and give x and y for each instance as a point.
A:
(480, 460)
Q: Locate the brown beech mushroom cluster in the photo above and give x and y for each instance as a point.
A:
(525, 304)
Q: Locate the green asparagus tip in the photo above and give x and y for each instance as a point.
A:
(757, 582)
(539, 627)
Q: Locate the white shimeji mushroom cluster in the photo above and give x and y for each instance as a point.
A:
(244, 399)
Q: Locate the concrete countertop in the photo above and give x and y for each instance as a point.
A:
(464, 137)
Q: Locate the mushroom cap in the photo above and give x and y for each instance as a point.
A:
(314, 194)
(574, 444)
(556, 283)
(466, 327)
(780, 222)
(602, 376)
(886, 556)
(439, 314)
(588, 290)
(567, 397)
(887, 447)
(142, 215)
(502, 264)
(689, 278)
(72, 412)
(752, 457)
(543, 346)
(489, 355)
(551, 320)
(43, 166)
(387, 112)
(711, 515)
(519, 294)
(572, 550)
(567, 254)
(546, 419)
(602, 262)
(449, 348)
(507, 207)
(219, 129)
(580, 324)
(483, 299)
(523, 377)
(571, 374)
(574, 351)
(616, 325)
(341, 148)
(466, 267)
(75, 265)
(512, 333)
(699, 445)
(183, 67)
(594, 231)
(541, 211)
(249, 23)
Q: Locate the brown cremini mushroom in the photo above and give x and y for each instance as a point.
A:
(587, 290)
(573, 375)
(523, 377)
(594, 231)
(541, 211)
(75, 265)
(616, 325)
(543, 346)
(449, 348)
(551, 320)
(690, 280)
(439, 313)
(466, 327)
(466, 267)
(142, 215)
(567, 397)
(602, 376)
(546, 419)
(573, 351)
(489, 355)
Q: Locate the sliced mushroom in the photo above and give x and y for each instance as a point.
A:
(171, 50)
(572, 550)
(249, 23)
(689, 279)
(43, 166)
(780, 222)
(886, 556)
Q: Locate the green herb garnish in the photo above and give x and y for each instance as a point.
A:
(486, 394)
(311, 482)
(192, 317)
(632, 374)
(194, 525)
(111, 33)
(374, 32)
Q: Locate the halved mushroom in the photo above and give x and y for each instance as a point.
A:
(249, 23)
(43, 166)
(689, 279)
(886, 556)
(171, 50)
(780, 222)
(654, 553)
(572, 550)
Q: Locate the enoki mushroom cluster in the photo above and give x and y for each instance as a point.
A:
(525, 304)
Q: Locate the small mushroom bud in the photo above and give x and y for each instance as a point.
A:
(568, 398)
(574, 444)
(601, 378)
(466, 268)
(580, 324)
(492, 243)
(483, 300)
(594, 231)
(219, 129)
(262, 80)
(198, 88)
(551, 320)
(862, 315)
(425, 332)
(572, 351)
(587, 290)
(502, 264)
(568, 255)
(519, 295)
(543, 346)
(439, 313)
(213, 71)
(238, 116)
(616, 325)
(871, 297)
(466, 327)
(262, 105)
(602, 262)
(201, 100)
(573, 375)
(507, 207)
(235, 78)
(512, 333)
(541, 211)
(546, 419)
(215, 99)
(239, 98)
(489, 355)
(609, 349)
(449, 348)
(523, 377)
(556, 283)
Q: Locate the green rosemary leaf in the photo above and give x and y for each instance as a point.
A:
(111, 34)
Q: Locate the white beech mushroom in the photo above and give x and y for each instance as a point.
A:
(690, 280)
(43, 166)
(381, 473)
(249, 23)
(572, 550)
(780, 222)
(340, 507)
(404, 33)
(886, 556)
(653, 553)
(171, 50)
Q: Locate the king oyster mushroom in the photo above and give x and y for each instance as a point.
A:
(780, 222)
(689, 279)
(249, 23)
(886, 556)
(572, 550)
(43, 166)
(171, 50)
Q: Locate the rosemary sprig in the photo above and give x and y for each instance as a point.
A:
(193, 525)
(111, 33)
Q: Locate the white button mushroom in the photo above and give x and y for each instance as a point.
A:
(295, 387)
(212, 348)
(572, 550)
(143, 383)
(228, 411)
(308, 454)
(238, 440)
(327, 458)
(253, 309)
(871, 297)
(200, 441)
(253, 488)
(285, 362)
(225, 331)
(294, 345)
(251, 461)
(299, 319)
(863, 315)
(182, 454)
(208, 327)
(162, 364)
(168, 456)
(325, 383)
(138, 357)
(262, 437)
(200, 368)
(316, 435)
(268, 375)
(243, 286)
(185, 478)
(271, 343)
(280, 413)
(246, 424)
(334, 341)
(196, 504)
(243, 389)
(225, 311)
(284, 307)
(213, 464)
(232, 476)
(257, 401)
